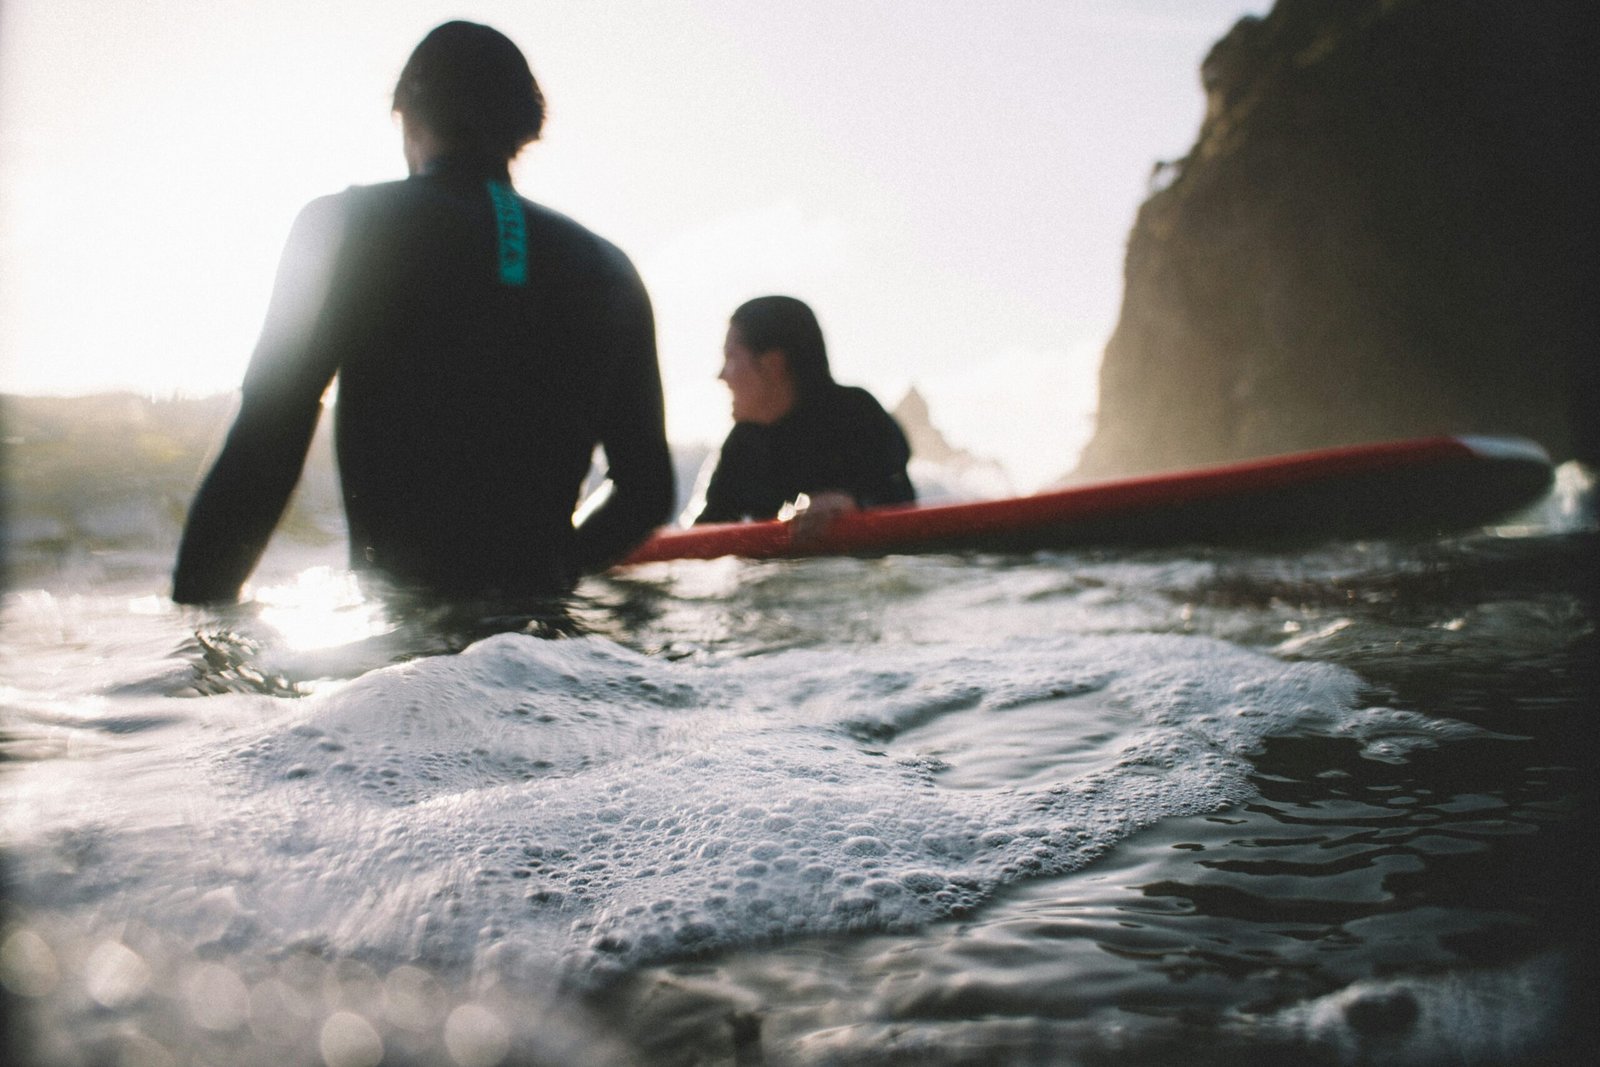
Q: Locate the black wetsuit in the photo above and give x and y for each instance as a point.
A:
(484, 346)
(840, 439)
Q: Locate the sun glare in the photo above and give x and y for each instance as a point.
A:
(141, 227)
(321, 608)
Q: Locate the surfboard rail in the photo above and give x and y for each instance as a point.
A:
(1431, 483)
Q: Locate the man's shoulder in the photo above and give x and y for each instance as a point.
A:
(552, 227)
(366, 193)
(354, 203)
(400, 194)
(582, 255)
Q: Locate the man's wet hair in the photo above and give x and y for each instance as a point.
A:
(472, 87)
(782, 322)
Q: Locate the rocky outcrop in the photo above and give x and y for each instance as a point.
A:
(1382, 231)
(940, 471)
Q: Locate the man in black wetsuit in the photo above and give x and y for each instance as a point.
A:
(797, 431)
(483, 346)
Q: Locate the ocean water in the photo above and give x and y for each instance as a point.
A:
(1331, 804)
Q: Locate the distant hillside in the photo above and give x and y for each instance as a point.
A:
(97, 487)
(110, 477)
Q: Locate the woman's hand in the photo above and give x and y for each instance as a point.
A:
(813, 515)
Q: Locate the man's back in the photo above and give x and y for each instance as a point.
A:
(469, 408)
(484, 346)
(471, 394)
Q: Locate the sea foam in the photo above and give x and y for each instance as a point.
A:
(573, 806)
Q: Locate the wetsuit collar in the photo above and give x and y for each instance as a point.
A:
(467, 165)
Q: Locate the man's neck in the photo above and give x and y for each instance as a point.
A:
(420, 144)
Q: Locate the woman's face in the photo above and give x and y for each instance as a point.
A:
(758, 382)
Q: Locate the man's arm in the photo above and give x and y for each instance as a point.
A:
(632, 432)
(242, 498)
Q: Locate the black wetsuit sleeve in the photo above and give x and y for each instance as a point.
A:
(719, 505)
(738, 481)
(242, 498)
(632, 432)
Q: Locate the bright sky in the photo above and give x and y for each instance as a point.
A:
(949, 184)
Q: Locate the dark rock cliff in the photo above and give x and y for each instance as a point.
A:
(1385, 229)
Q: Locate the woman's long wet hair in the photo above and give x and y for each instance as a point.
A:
(472, 87)
(784, 323)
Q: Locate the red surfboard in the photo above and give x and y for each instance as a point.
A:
(1425, 485)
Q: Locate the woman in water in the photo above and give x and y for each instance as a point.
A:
(797, 431)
